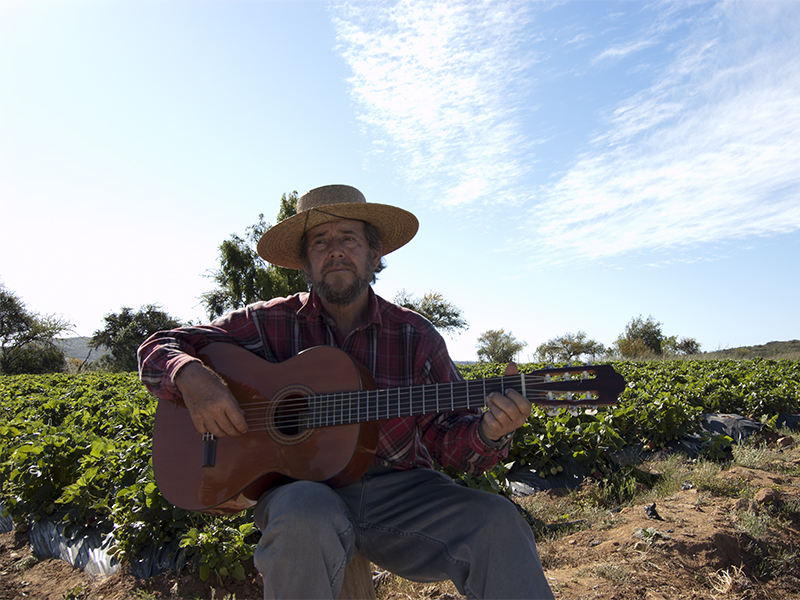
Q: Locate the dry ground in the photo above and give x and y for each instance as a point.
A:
(723, 533)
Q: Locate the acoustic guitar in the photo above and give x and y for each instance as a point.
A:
(316, 417)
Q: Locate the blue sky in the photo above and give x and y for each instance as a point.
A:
(572, 164)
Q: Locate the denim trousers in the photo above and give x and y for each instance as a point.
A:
(418, 524)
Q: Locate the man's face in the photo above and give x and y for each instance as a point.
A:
(339, 261)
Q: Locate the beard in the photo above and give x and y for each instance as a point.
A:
(344, 295)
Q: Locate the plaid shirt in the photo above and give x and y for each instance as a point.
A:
(399, 347)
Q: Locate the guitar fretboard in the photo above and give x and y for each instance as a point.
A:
(344, 408)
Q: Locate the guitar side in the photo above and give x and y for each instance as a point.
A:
(249, 464)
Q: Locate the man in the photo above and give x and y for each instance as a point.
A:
(402, 514)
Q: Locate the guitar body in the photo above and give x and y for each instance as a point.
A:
(245, 466)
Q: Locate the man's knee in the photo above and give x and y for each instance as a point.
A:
(501, 516)
(303, 506)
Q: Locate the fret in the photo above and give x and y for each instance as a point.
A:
(369, 403)
(350, 408)
(364, 410)
(312, 417)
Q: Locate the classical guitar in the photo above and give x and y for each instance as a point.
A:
(316, 417)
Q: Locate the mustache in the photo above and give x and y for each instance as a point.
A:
(338, 263)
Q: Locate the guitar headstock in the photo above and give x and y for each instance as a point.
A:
(581, 386)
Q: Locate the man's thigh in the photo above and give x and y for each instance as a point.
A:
(420, 524)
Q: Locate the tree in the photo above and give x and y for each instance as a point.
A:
(498, 346)
(243, 277)
(644, 338)
(686, 346)
(569, 346)
(125, 331)
(27, 340)
(442, 314)
(641, 338)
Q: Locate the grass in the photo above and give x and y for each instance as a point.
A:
(730, 581)
(617, 574)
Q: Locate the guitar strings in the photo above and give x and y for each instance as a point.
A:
(330, 408)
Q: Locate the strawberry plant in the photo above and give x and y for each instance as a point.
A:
(77, 448)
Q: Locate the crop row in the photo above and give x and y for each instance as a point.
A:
(77, 447)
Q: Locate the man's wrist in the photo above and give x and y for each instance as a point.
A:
(494, 444)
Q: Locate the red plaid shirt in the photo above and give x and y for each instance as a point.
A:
(398, 346)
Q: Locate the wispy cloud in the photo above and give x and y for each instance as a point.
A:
(623, 50)
(440, 82)
(708, 153)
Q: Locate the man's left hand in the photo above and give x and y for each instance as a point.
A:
(506, 413)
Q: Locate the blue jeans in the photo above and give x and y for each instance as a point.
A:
(417, 524)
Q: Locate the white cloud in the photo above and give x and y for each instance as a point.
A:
(621, 51)
(706, 154)
(441, 81)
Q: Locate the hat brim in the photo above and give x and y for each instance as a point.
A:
(281, 244)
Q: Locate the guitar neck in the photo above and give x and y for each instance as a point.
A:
(580, 386)
(379, 405)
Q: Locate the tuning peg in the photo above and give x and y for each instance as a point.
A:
(553, 411)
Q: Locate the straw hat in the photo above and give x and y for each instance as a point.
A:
(280, 244)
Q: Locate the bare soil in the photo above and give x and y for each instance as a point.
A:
(736, 536)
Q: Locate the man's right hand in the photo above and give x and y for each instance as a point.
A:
(211, 405)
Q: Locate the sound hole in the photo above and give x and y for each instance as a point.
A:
(291, 416)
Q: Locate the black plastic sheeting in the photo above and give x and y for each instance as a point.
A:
(88, 549)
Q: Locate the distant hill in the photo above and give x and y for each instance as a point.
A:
(78, 347)
(790, 350)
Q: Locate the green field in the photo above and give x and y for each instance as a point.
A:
(77, 447)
